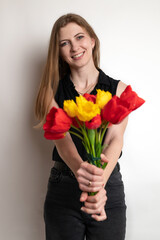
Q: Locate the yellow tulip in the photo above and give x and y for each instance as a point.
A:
(103, 98)
(86, 110)
(70, 107)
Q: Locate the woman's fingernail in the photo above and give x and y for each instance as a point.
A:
(82, 208)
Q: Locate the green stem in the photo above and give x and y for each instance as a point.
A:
(103, 132)
(76, 134)
(100, 132)
(76, 128)
(92, 137)
(93, 151)
(86, 140)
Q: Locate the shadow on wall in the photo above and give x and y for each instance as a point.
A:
(41, 148)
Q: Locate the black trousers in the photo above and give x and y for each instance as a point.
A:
(65, 221)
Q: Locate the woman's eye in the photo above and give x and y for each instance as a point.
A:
(80, 37)
(63, 44)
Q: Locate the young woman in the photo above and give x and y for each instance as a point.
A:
(72, 68)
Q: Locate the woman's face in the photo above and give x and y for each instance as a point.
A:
(75, 45)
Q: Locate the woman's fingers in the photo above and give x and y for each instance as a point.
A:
(95, 204)
(95, 208)
(86, 177)
(100, 217)
(93, 170)
(83, 196)
(103, 158)
(90, 177)
(91, 183)
(98, 197)
(89, 186)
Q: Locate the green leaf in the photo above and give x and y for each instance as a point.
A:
(91, 137)
(98, 149)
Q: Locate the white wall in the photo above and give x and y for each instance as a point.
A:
(130, 35)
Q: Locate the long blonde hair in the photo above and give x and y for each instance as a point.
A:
(55, 67)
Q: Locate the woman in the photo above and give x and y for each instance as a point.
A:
(72, 69)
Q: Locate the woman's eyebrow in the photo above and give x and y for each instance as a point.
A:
(78, 34)
(74, 36)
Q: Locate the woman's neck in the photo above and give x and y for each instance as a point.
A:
(84, 77)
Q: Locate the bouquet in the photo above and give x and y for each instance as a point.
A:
(89, 117)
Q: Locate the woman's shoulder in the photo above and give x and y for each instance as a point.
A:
(120, 88)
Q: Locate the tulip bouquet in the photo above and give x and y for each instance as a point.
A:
(89, 117)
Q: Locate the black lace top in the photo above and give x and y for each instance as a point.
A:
(66, 91)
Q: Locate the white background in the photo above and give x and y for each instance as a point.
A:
(129, 32)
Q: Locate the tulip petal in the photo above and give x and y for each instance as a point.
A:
(130, 99)
(90, 97)
(53, 136)
(94, 122)
(118, 108)
(57, 123)
(86, 110)
(70, 107)
(114, 112)
(103, 98)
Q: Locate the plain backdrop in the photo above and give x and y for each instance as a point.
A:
(129, 32)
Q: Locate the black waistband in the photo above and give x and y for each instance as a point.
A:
(62, 167)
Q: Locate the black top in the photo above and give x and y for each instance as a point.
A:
(66, 91)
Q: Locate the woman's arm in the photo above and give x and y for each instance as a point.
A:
(67, 149)
(68, 152)
(114, 140)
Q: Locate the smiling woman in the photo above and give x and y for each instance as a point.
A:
(72, 69)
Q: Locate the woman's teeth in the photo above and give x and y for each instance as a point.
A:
(78, 55)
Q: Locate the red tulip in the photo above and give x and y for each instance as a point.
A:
(119, 108)
(131, 99)
(57, 124)
(94, 122)
(53, 136)
(90, 97)
(114, 112)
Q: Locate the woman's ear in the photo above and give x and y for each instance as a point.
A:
(93, 42)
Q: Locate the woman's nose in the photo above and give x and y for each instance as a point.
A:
(74, 46)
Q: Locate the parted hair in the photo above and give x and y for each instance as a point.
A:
(55, 68)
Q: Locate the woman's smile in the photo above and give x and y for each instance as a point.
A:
(78, 56)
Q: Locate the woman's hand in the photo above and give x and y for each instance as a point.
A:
(94, 205)
(90, 177)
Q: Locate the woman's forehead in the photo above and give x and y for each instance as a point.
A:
(70, 30)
